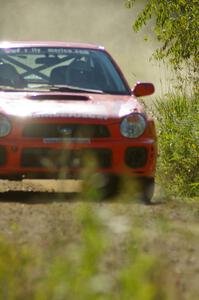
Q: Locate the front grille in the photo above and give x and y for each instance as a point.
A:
(3, 156)
(65, 130)
(136, 157)
(53, 158)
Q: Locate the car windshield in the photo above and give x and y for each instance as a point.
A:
(46, 67)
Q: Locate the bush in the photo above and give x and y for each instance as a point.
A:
(178, 131)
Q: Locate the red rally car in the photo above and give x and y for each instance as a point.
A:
(60, 102)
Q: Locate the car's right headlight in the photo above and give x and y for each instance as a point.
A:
(133, 126)
(5, 126)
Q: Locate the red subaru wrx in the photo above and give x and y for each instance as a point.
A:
(61, 102)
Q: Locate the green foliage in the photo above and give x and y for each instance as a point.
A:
(176, 25)
(178, 131)
(15, 266)
(80, 270)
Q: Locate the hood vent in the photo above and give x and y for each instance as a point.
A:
(58, 97)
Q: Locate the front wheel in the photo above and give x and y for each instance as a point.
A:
(147, 187)
(111, 186)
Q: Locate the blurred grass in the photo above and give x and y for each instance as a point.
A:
(78, 270)
(92, 250)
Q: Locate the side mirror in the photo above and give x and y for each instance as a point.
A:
(143, 89)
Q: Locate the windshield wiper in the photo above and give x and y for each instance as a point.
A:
(125, 93)
(6, 87)
(69, 88)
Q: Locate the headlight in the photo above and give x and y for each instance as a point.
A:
(5, 126)
(133, 125)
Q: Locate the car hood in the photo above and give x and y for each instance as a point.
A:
(105, 106)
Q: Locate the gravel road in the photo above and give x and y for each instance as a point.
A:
(33, 211)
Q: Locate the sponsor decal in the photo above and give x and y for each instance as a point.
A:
(67, 140)
(68, 115)
(44, 50)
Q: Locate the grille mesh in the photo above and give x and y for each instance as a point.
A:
(54, 158)
(65, 130)
(136, 157)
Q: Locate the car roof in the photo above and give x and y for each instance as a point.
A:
(13, 44)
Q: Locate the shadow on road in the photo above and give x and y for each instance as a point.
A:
(37, 197)
(32, 198)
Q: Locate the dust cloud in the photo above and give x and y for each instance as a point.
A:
(104, 22)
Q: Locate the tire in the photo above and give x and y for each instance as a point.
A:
(110, 187)
(147, 188)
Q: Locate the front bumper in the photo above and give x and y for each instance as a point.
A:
(36, 159)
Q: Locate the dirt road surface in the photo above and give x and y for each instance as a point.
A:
(43, 210)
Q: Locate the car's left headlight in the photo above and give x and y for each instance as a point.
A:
(5, 126)
(133, 125)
